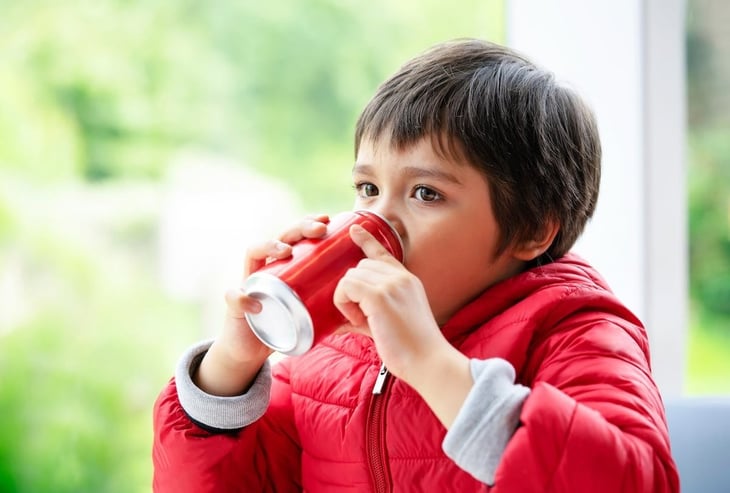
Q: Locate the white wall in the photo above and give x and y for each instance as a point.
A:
(626, 57)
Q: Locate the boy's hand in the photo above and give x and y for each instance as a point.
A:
(381, 298)
(236, 355)
(240, 342)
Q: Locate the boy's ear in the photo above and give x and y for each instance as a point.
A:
(531, 249)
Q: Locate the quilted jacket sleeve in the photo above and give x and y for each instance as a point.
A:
(192, 457)
(594, 420)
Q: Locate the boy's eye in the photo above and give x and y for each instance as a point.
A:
(426, 194)
(366, 189)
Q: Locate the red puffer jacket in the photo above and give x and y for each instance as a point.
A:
(594, 420)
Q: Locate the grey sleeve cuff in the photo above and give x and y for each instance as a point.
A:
(221, 413)
(487, 420)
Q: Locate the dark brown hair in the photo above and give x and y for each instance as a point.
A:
(535, 140)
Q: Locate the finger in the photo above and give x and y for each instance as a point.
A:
(373, 272)
(345, 303)
(350, 292)
(239, 303)
(352, 313)
(322, 218)
(307, 228)
(370, 246)
(354, 329)
(257, 255)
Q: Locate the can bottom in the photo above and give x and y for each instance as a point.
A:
(284, 323)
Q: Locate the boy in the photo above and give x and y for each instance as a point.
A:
(511, 367)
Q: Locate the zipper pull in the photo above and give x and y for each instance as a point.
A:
(380, 381)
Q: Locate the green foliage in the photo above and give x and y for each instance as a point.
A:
(119, 79)
(709, 159)
(98, 93)
(113, 89)
(708, 353)
(709, 219)
(38, 138)
(87, 339)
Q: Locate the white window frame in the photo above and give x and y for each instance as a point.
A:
(627, 58)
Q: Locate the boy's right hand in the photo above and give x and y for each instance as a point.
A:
(232, 362)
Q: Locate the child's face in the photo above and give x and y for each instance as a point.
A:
(443, 212)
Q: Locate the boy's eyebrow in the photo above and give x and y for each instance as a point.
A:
(411, 172)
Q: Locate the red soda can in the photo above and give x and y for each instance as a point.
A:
(296, 293)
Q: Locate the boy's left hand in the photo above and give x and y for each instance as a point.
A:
(381, 298)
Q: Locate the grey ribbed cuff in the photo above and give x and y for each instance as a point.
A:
(487, 420)
(223, 413)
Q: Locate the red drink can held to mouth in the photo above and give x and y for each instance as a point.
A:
(296, 293)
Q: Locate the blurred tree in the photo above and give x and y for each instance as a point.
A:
(709, 220)
(118, 84)
(114, 88)
(708, 47)
(86, 341)
(96, 92)
(708, 50)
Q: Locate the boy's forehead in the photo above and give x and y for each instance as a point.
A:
(418, 160)
(436, 150)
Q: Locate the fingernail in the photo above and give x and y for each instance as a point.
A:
(256, 307)
(281, 246)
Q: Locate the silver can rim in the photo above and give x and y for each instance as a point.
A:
(262, 286)
(391, 226)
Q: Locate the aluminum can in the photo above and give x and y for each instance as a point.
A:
(296, 293)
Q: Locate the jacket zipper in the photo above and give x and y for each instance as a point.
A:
(375, 433)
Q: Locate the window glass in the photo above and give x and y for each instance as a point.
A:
(142, 145)
(708, 77)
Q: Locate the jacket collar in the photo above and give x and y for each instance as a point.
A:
(569, 272)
